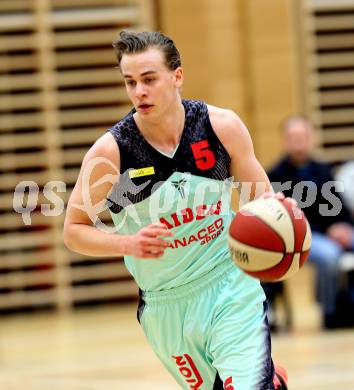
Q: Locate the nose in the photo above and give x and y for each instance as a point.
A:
(140, 90)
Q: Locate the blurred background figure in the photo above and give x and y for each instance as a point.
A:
(309, 180)
(345, 174)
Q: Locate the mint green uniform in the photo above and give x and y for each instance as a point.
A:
(203, 316)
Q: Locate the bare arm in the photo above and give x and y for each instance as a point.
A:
(245, 168)
(102, 161)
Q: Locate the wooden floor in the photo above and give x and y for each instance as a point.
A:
(104, 349)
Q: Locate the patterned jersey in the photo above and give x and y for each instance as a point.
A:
(189, 192)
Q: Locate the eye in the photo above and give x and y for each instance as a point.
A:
(130, 83)
(149, 80)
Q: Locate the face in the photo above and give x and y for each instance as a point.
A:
(151, 86)
(298, 141)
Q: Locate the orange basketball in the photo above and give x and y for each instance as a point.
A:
(270, 239)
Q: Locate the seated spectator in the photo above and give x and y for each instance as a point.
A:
(345, 174)
(299, 175)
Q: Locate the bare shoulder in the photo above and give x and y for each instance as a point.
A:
(221, 115)
(104, 149)
(99, 171)
(229, 128)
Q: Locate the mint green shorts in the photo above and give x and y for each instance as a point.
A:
(211, 333)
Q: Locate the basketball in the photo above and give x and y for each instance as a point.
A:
(270, 239)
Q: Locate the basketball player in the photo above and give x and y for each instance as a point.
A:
(204, 318)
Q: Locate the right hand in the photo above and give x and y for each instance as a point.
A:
(148, 243)
(280, 196)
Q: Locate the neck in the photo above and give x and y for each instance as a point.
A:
(298, 162)
(165, 130)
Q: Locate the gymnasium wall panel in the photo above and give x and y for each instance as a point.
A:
(59, 91)
(327, 74)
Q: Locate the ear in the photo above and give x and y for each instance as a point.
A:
(179, 77)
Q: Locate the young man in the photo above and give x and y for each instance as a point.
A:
(204, 318)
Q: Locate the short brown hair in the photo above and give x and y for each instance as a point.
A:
(130, 42)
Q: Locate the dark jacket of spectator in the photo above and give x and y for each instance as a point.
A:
(319, 192)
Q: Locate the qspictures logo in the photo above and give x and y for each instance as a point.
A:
(27, 193)
(189, 371)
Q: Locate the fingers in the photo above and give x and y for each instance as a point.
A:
(152, 252)
(152, 242)
(279, 196)
(157, 225)
(155, 243)
(152, 255)
(276, 195)
(157, 229)
(292, 201)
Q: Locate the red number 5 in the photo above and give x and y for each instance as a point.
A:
(204, 157)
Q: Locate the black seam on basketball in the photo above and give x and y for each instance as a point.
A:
(271, 228)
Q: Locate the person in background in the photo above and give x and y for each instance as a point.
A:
(345, 174)
(300, 175)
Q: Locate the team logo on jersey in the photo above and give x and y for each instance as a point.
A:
(179, 185)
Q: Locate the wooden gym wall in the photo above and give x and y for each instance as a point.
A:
(326, 65)
(239, 54)
(268, 59)
(59, 91)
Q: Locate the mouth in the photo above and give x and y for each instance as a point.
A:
(145, 107)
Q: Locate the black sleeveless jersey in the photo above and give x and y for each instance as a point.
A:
(199, 153)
